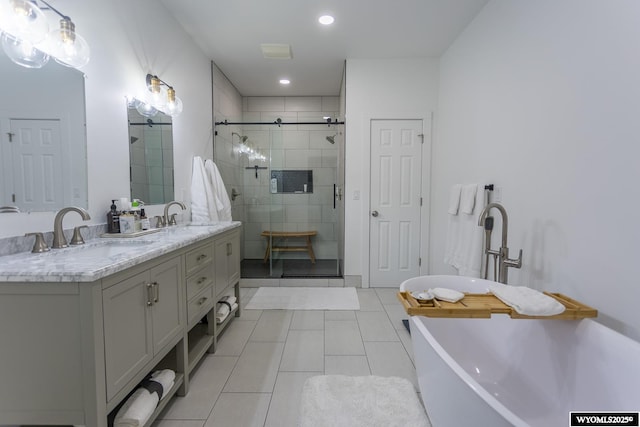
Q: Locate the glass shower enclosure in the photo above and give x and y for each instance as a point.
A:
(290, 175)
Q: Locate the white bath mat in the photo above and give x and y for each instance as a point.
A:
(286, 298)
(343, 401)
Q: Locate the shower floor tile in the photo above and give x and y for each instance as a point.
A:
(256, 268)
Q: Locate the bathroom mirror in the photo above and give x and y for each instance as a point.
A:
(43, 152)
(150, 157)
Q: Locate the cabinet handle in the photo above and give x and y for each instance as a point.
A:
(201, 257)
(202, 300)
(201, 280)
(156, 288)
(149, 294)
(229, 249)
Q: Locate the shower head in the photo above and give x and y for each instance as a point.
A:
(331, 139)
(242, 137)
(133, 139)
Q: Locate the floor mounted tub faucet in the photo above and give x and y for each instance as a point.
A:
(503, 253)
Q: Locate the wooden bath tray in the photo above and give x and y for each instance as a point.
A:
(482, 306)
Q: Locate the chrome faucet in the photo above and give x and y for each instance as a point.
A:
(59, 241)
(171, 220)
(503, 254)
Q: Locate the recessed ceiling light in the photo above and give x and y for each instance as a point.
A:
(326, 20)
(284, 81)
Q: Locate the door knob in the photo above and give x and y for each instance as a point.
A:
(374, 213)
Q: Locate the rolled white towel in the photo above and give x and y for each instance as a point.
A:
(468, 198)
(166, 378)
(230, 299)
(454, 199)
(222, 318)
(137, 410)
(527, 301)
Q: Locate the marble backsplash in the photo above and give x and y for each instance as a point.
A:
(17, 244)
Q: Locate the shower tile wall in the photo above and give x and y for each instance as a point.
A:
(301, 147)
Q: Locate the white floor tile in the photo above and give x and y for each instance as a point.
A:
(396, 314)
(303, 351)
(388, 295)
(285, 400)
(340, 315)
(177, 423)
(206, 384)
(405, 337)
(240, 410)
(342, 338)
(376, 326)
(346, 365)
(369, 300)
(256, 369)
(235, 337)
(272, 326)
(390, 359)
(308, 320)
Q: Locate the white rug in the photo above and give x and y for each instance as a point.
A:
(343, 401)
(286, 298)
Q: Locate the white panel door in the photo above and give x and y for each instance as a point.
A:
(37, 164)
(394, 221)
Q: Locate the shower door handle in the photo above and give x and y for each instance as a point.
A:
(374, 213)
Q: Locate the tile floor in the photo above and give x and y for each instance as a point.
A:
(264, 357)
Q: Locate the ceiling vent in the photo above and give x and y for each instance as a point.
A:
(276, 51)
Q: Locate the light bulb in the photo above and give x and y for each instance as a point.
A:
(23, 20)
(174, 104)
(146, 110)
(22, 52)
(66, 46)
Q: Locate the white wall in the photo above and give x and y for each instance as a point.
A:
(542, 99)
(378, 89)
(129, 40)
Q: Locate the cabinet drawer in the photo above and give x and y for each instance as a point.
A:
(199, 257)
(199, 280)
(199, 306)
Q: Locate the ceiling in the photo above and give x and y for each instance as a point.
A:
(230, 33)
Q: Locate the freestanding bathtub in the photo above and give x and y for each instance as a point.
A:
(522, 372)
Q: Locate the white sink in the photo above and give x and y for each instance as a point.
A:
(102, 249)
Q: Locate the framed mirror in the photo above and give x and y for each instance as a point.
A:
(150, 157)
(43, 152)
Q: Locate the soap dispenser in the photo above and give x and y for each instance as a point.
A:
(113, 219)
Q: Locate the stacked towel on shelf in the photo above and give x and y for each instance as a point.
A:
(139, 407)
(225, 306)
(464, 247)
(527, 301)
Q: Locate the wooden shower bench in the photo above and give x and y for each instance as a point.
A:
(306, 235)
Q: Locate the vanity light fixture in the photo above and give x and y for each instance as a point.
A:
(27, 41)
(163, 96)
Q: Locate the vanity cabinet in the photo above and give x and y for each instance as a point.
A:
(73, 351)
(142, 315)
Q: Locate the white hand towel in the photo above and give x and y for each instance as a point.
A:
(527, 301)
(223, 310)
(223, 204)
(464, 245)
(454, 199)
(137, 410)
(468, 198)
(203, 208)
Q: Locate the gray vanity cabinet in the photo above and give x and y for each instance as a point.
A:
(142, 315)
(227, 256)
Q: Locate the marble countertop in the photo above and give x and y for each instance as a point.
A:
(102, 257)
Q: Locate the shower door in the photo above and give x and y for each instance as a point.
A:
(292, 216)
